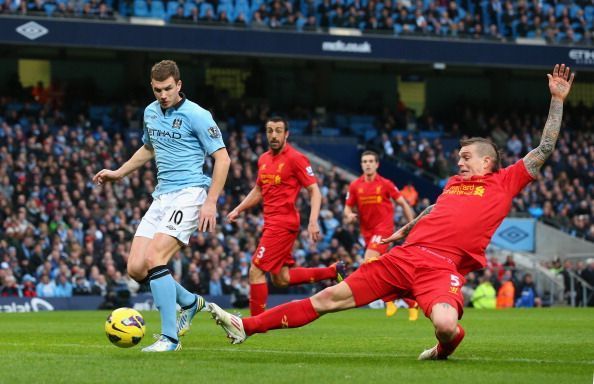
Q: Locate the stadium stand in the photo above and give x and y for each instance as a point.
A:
(566, 23)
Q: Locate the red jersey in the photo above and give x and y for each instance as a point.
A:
(373, 200)
(280, 178)
(466, 215)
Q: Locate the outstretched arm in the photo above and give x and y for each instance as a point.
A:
(252, 199)
(140, 157)
(560, 82)
(404, 231)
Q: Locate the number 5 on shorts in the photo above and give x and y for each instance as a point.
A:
(455, 282)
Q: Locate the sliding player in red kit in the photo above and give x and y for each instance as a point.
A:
(445, 242)
(370, 198)
(282, 172)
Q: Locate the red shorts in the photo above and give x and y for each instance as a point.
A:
(373, 242)
(409, 272)
(275, 250)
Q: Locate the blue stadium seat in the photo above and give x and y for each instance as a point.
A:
(430, 135)
(250, 130)
(172, 8)
(188, 8)
(298, 124)
(205, 7)
(14, 107)
(140, 8)
(341, 121)
(49, 8)
(329, 132)
(370, 134)
(589, 13)
(157, 9)
(227, 7)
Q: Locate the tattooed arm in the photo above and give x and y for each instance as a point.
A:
(404, 231)
(559, 84)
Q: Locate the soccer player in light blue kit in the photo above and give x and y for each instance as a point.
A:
(178, 134)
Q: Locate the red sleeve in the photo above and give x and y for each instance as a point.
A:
(394, 191)
(303, 171)
(351, 199)
(516, 177)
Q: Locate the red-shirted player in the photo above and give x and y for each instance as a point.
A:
(282, 172)
(372, 197)
(444, 242)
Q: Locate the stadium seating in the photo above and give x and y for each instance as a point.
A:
(435, 19)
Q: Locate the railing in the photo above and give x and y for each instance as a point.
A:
(587, 291)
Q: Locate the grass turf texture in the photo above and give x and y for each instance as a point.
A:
(358, 346)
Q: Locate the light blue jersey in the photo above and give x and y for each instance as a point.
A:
(181, 138)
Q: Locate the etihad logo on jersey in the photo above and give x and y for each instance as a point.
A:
(465, 190)
(373, 199)
(270, 178)
(155, 133)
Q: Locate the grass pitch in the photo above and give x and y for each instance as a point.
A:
(553, 345)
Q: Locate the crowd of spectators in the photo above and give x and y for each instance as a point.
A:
(552, 21)
(62, 235)
(87, 9)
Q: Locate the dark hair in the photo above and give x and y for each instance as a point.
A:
(277, 119)
(164, 69)
(486, 148)
(370, 153)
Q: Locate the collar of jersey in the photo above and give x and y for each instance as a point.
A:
(285, 149)
(177, 105)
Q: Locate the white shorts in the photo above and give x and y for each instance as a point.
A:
(175, 214)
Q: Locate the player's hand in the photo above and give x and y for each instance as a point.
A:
(396, 236)
(233, 215)
(208, 217)
(350, 218)
(314, 231)
(560, 81)
(106, 175)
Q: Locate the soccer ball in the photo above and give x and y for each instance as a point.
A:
(125, 327)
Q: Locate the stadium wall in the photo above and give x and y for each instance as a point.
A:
(230, 41)
(552, 243)
(141, 302)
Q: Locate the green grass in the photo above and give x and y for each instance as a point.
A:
(358, 346)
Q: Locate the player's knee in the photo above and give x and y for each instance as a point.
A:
(136, 273)
(445, 327)
(326, 301)
(279, 281)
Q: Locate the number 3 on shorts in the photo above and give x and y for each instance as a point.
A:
(455, 281)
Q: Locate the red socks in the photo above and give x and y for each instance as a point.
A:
(446, 349)
(258, 298)
(294, 314)
(410, 303)
(310, 275)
